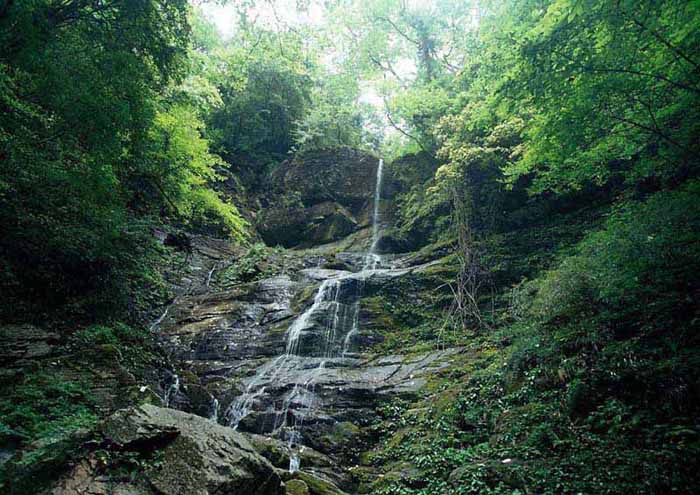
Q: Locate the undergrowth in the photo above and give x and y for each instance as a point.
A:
(589, 382)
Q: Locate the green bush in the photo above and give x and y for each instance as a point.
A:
(639, 270)
(95, 335)
(45, 406)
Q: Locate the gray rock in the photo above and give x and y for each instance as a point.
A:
(314, 225)
(22, 343)
(334, 191)
(343, 175)
(318, 402)
(195, 457)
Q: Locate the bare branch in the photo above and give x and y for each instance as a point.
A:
(399, 30)
(398, 128)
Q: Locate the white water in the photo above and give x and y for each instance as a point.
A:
(372, 259)
(240, 408)
(160, 319)
(328, 287)
(215, 408)
(172, 390)
(211, 273)
(327, 299)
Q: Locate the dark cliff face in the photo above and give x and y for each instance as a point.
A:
(318, 197)
(343, 175)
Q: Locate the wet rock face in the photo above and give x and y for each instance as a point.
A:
(231, 349)
(180, 454)
(296, 225)
(345, 391)
(21, 344)
(242, 323)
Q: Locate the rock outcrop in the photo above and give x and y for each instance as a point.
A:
(22, 345)
(297, 225)
(342, 175)
(319, 197)
(151, 451)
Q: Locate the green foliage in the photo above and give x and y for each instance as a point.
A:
(117, 333)
(275, 96)
(93, 152)
(114, 121)
(335, 118)
(588, 381)
(646, 249)
(621, 103)
(181, 166)
(45, 407)
(255, 264)
(541, 97)
(49, 406)
(264, 93)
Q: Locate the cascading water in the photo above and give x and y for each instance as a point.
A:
(211, 274)
(172, 390)
(159, 320)
(240, 408)
(327, 300)
(372, 259)
(215, 407)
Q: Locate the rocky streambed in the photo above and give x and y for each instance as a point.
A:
(315, 404)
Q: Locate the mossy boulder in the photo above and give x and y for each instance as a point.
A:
(297, 487)
(342, 175)
(318, 486)
(318, 224)
(168, 451)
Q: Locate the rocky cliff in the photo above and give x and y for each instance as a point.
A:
(271, 365)
(319, 197)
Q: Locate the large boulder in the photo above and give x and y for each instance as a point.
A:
(319, 197)
(151, 450)
(318, 224)
(343, 175)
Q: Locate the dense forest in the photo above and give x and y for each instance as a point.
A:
(384, 247)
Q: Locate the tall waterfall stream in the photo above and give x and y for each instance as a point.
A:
(327, 303)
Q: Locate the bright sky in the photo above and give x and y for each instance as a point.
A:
(284, 12)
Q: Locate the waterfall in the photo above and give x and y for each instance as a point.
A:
(328, 287)
(211, 273)
(172, 390)
(372, 259)
(215, 406)
(240, 408)
(160, 319)
(327, 299)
